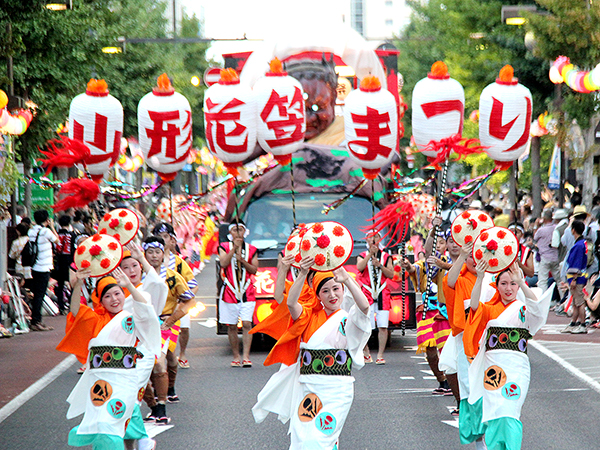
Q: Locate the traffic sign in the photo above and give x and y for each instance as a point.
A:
(212, 75)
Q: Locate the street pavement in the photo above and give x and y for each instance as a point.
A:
(393, 406)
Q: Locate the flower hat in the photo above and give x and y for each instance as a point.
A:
(101, 253)
(293, 243)
(468, 225)
(330, 243)
(120, 223)
(498, 246)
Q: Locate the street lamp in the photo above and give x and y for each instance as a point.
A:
(60, 5)
(513, 15)
(195, 81)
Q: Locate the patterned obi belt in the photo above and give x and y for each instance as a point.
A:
(331, 361)
(111, 357)
(507, 338)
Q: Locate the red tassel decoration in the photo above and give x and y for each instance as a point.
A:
(396, 217)
(64, 152)
(79, 192)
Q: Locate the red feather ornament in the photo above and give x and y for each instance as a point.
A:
(457, 144)
(396, 217)
(79, 192)
(64, 152)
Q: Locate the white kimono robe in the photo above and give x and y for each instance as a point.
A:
(108, 406)
(507, 399)
(286, 390)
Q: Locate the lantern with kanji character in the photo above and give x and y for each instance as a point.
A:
(230, 120)
(96, 119)
(438, 106)
(281, 119)
(165, 129)
(371, 125)
(505, 118)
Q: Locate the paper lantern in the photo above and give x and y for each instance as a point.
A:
(438, 106)
(96, 119)
(165, 129)
(505, 118)
(281, 121)
(230, 120)
(371, 126)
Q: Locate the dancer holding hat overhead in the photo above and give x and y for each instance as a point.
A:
(117, 370)
(321, 346)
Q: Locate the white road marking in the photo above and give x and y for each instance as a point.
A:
(35, 388)
(153, 429)
(567, 366)
(407, 378)
(452, 423)
(428, 372)
(209, 323)
(429, 378)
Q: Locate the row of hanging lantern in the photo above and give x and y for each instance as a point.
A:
(13, 123)
(164, 125)
(505, 109)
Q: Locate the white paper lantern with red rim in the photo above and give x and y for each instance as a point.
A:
(371, 126)
(281, 121)
(96, 119)
(438, 107)
(165, 129)
(505, 109)
(230, 120)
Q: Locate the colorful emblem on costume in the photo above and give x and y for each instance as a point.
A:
(128, 324)
(116, 408)
(522, 313)
(511, 391)
(126, 424)
(100, 392)
(140, 394)
(494, 378)
(309, 407)
(343, 326)
(325, 423)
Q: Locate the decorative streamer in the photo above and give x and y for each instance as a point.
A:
(330, 207)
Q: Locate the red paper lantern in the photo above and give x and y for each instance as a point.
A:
(281, 113)
(96, 119)
(371, 126)
(438, 106)
(505, 109)
(230, 120)
(165, 129)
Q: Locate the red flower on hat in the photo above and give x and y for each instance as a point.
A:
(457, 228)
(493, 262)
(302, 225)
(508, 250)
(129, 226)
(466, 215)
(479, 254)
(85, 264)
(492, 245)
(106, 217)
(105, 263)
(298, 258)
(123, 213)
(117, 236)
(339, 251)
(96, 238)
(113, 246)
(95, 250)
(473, 223)
(501, 234)
(397, 268)
(468, 238)
(483, 217)
(114, 223)
(323, 241)
(484, 236)
(291, 246)
(302, 232)
(81, 250)
(318, 227)
(102, 231)
(338, 231)
(320, 259)
(306, 245)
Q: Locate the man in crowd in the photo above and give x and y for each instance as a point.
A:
(549, 263)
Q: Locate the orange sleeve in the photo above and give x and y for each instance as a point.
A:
(80, 330)
(474, 328)
(450, 295)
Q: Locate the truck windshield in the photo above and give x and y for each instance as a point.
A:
(270, 222)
